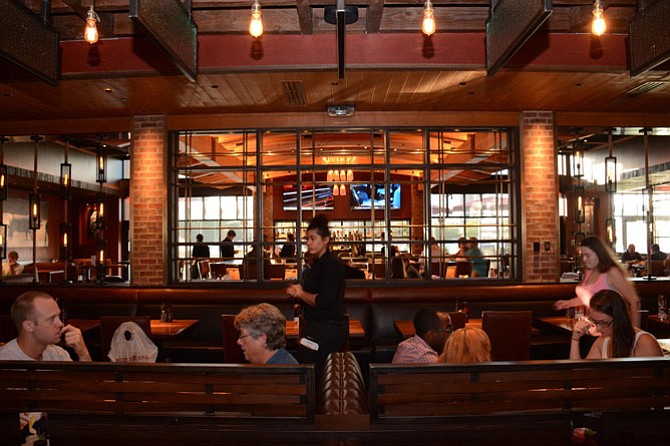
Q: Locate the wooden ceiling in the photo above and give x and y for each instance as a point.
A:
(391, 66)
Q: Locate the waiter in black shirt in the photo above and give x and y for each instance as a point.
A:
(323, 296)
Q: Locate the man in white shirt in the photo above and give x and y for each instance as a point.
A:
(37, 319)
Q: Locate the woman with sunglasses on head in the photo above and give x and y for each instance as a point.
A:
(610, 318)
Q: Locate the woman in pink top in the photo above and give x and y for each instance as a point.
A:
(603, 272)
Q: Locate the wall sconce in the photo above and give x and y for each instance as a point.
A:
(66, 180)
(350, 176)
(3, 242)
(610, 175)
(34, 211)
(100, 259)
(336, 190)
(101, 163)
(428, 25)
(65, 241)
(579, 207)
(101, 206)
(598, 26)
(343, 190)
(577, 160)
(256, 23)
(91, 29)
(610, 230)
(3, 182)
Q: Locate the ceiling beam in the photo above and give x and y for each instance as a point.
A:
(374, 16)
(305, 17)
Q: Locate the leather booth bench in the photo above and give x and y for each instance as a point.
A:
(376, 306)
(624, 401)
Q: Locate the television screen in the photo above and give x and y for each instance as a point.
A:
(362, 196)
(319, 198)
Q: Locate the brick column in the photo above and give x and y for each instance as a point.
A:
(539, 197)
(148, 201)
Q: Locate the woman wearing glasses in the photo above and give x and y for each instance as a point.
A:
(618, 337)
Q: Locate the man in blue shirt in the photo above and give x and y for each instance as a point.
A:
(262, 336)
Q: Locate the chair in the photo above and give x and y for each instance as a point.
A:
(463, 269)
(218, 269)
(109, 324)
(657, 269)
(274, 270)
(458, 319)
(509, 332)
(232, 352)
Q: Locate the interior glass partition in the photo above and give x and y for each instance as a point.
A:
(398, 200)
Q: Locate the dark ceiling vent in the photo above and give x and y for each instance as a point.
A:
(295, 93)
(644, 88)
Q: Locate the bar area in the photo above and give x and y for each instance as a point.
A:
(482, 162)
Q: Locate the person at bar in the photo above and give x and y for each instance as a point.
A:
(322, 293)
(466, 345)
(631, 256)
(227, 249)
(262, 336)
(37, 319)
(288, 249)
(476, 257)
(618, 338)
(200, 248)
(12, 267)
(431, 330)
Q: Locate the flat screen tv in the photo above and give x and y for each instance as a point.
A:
(362, 196)
(319, 198)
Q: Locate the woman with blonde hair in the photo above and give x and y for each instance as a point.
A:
(466, 345)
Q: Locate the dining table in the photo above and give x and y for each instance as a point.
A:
(356, 329)
(174, 329)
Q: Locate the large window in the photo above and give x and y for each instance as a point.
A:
(409, 192)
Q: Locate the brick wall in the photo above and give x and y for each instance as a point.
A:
(148, 201)
(539, 197)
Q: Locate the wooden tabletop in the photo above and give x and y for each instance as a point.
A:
(561, 322)
(355, 329)
(406, 327)
(159, 329)
(654, 317)
(176, 328)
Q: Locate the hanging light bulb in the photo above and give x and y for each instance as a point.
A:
(428, 26)
(256, 24)
(598, 27)
(91, 30)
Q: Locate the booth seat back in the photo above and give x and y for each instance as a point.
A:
(93, 302)
(207, 305)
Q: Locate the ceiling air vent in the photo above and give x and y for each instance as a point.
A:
(645, 87)
(295, 93)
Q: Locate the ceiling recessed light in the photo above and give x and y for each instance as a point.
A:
(214, 86)
(108, 90)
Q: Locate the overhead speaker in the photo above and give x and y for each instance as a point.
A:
(350, 14)
(340, 111)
